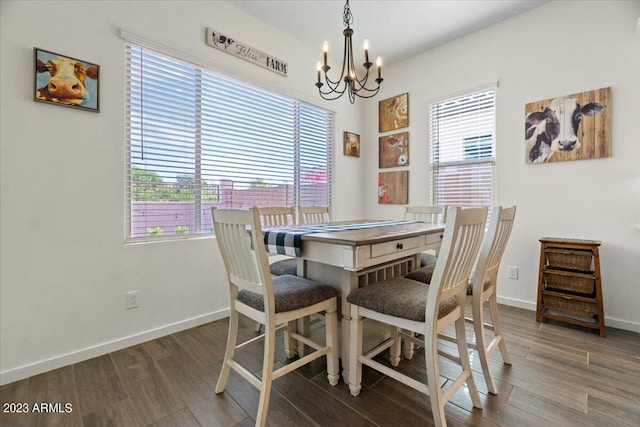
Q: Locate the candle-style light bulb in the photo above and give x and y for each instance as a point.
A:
(365, 45)
(379, 65)
(318, 67)
(325, 50)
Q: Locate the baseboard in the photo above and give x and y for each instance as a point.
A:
(56, 362)
(608, 321)
(512, 302)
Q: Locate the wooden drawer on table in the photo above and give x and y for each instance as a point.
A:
(434, 238)
(386, 248)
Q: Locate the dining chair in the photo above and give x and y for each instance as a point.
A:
(482, 288)
(279, 265)
(279, 216)
(272, 301)
(311, 215)
(429, 215)
(418, 309)
(314, 214)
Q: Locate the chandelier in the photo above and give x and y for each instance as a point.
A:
(349, 81)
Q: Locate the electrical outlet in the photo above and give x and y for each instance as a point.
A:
(512, 272)
(131, 300)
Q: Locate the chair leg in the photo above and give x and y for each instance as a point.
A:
(331, 327)
(229, 351)
(408, 347)
(267, 374)
(463, 351)
(355, 351)
(497, 328)
(481, 342)
(304, 329)
(289, 342)
(395, 349)
(433, 378)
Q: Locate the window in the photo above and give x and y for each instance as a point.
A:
(463, 150)
(198, 139)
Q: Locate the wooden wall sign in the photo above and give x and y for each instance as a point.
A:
(241, 50)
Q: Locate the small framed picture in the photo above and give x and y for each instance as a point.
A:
(393, 113)
(393, 150)
(66, 81)
(393, 188)
(351, 144)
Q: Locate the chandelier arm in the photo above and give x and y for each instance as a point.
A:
(369, 96)
(345, 54)
(363, 81)
(338, 94)
(331, 82)
(334, 87)
(366, 89)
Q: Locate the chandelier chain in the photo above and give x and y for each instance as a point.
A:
(347, 16)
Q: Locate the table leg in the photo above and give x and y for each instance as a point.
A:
(344, 281)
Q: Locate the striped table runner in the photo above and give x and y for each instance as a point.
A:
(286, 240)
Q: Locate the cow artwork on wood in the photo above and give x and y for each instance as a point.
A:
(65, 81)
(572, 127)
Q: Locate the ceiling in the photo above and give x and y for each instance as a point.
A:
(396, 29)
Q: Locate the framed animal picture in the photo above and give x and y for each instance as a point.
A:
(570, 127)
(351, 144)
(393, 187)
(66, 81)
(393, 150)
(393, 113)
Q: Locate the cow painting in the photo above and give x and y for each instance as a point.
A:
(569, 127)
(65, 81)
(393, 150)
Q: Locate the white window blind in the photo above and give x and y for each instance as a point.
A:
(463, 150)
(198, 139)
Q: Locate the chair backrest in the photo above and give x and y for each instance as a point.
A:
(494, 244)
(428, 214)
(458, 253)
(241, 243)
(314, 214)
(276, 216)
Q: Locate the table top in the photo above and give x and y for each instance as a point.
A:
(368, 236)
(570, 241)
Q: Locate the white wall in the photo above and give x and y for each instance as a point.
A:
(560, 48)
(64, 268)
(64, 265)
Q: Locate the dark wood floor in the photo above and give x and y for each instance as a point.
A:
(561, 376)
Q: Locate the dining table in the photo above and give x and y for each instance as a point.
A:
(351, 254)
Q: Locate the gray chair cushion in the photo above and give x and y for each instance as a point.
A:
(427, 259)
(398, 297)
(423, 274)
(290, 293)
(285, 266)
(487, 282)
